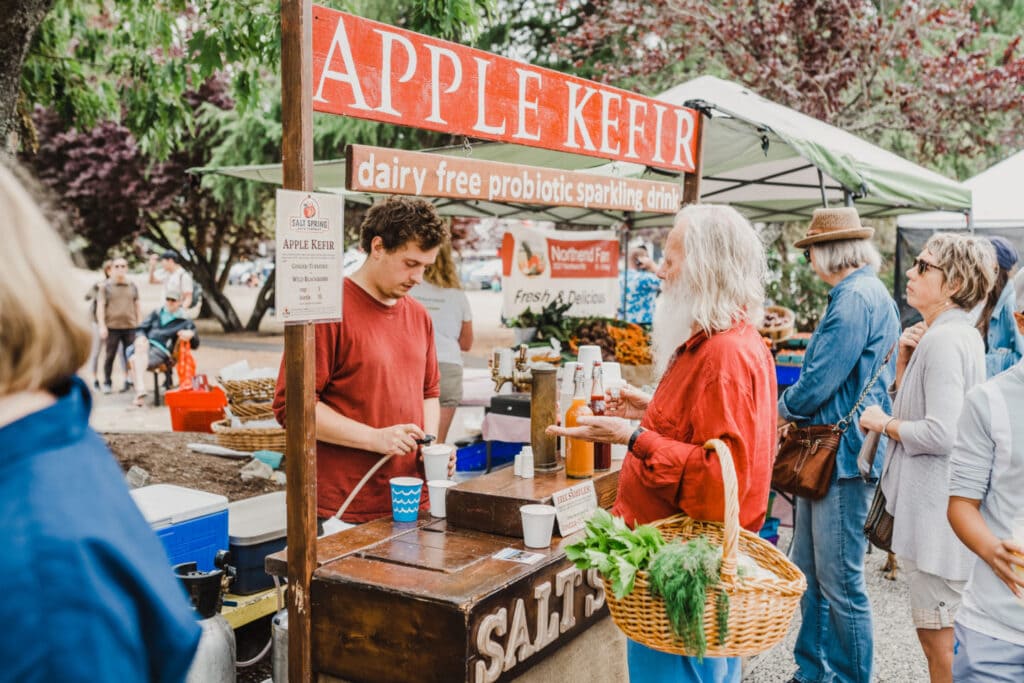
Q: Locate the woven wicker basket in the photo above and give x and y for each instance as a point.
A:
(249, 390)
(242, 439)
(247, 412)
(760, 609)
(779, 331)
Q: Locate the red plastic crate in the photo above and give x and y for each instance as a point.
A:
(195, 411)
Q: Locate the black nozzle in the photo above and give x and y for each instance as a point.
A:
(203, 588)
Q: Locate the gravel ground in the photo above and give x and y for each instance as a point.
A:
(898, 656)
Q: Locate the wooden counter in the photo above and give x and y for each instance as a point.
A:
(428, 601)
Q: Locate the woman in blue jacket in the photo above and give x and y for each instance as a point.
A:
(998, 327)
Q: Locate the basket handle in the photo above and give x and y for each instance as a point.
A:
(731, 532)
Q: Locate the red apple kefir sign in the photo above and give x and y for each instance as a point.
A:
(539, 266)
(374, 71)
(309, 256)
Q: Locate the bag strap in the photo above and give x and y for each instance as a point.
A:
(844, 423)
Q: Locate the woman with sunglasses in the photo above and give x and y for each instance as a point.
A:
(848, 347)
(938, 361)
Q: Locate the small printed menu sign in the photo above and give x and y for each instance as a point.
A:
(574, 506)
(309, 256)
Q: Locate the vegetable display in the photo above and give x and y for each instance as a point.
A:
(615, 550)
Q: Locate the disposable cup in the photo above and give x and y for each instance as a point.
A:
(538, 522)
(438, 489)
(405, 498)
(435, 461)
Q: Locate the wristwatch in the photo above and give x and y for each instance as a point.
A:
(634, 436)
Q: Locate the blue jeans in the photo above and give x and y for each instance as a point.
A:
(651, 666)
(835, 639)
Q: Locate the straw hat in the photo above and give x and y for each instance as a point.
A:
(829, 225)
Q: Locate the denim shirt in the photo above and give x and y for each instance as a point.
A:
(1004, 343)
(860, 325)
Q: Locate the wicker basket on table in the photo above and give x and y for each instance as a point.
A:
(247, 439)
(760, 609)
(259, 390)
(248, 412)
(784, 324)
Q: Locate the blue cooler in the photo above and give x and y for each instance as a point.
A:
(193, 525)
(257, 527)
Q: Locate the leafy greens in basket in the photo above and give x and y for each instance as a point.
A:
(615, 550)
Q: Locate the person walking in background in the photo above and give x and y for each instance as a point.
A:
(89, 591)
(860, 326)
(641, 286)
(119, 312)
(986, 495)
(172, 276)
(998, 327)
(92, 297)
(441, 294)
(718, 383)
(938, 361)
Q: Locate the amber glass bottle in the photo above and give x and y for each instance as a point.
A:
(602, 451)
(579, 454)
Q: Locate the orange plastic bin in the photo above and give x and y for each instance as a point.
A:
(195, 411)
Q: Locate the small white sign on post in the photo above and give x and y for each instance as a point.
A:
(310, 229)
(574, 506)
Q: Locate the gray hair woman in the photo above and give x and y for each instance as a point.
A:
(939, 359)
(860, 325)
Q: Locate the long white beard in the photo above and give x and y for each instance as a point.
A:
(672, 324)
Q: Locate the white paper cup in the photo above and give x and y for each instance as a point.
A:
(438, 488)
(538, 522)
(435, 461)
(611, 374)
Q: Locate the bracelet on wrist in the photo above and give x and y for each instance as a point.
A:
(634, 436)
(885, 428)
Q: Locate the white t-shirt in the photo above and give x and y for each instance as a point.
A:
(448, 308)
(179, 280)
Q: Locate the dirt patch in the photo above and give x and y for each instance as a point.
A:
(166, 457)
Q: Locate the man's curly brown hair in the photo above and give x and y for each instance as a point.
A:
(397, 220)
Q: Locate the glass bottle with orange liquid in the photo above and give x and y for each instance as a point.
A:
(602, 451)
(579, 454)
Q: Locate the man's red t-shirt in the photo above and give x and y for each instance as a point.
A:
(376, 367)
(718, 387)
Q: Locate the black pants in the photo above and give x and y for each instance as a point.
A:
(115, 338)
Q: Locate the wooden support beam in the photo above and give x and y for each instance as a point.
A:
(299, 350)
(691, 182)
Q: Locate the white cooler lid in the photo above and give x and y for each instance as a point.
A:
(258, 519)
(166, 504)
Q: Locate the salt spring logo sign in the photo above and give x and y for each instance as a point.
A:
(310, 219)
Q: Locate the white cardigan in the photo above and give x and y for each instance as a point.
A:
(949, 360)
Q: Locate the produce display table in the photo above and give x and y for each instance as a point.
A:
(429, 601)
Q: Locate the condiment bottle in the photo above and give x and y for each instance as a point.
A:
(602, 451)
(579, 454)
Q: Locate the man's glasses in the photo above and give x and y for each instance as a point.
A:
(923, 266)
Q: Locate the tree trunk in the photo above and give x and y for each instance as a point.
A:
(18, 23)
(222, 310)
(264, 300)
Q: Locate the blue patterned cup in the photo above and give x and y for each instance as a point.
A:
(405, 498)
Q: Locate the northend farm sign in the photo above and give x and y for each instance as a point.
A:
(370, 70)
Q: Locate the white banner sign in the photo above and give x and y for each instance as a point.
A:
(539, 265)
(309, 256)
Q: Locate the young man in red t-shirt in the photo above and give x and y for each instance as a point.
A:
(377, 381)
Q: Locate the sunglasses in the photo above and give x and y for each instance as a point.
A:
(923, 266)
(170, 299)
(120, 265)
(807, 255)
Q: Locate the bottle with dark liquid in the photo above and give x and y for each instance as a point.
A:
(602, 451)
(579, 454)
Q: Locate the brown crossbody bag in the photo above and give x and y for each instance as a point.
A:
(807, 455)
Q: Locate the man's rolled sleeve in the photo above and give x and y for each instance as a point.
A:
(970, 462)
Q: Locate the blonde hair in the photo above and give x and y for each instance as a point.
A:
(968, 264)
(724, 266)
(441, 272)
(44, 337)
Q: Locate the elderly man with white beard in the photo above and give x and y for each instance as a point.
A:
(717, 382)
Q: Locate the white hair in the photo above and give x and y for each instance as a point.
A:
(724, 268)
(835, 257)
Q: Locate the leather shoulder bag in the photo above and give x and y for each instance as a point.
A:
(807, 455)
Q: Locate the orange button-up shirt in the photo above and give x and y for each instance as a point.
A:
(717, 387)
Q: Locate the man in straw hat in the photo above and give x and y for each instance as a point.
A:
(859, 327)
(718, 383)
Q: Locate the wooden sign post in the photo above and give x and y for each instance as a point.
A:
(300, 418)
